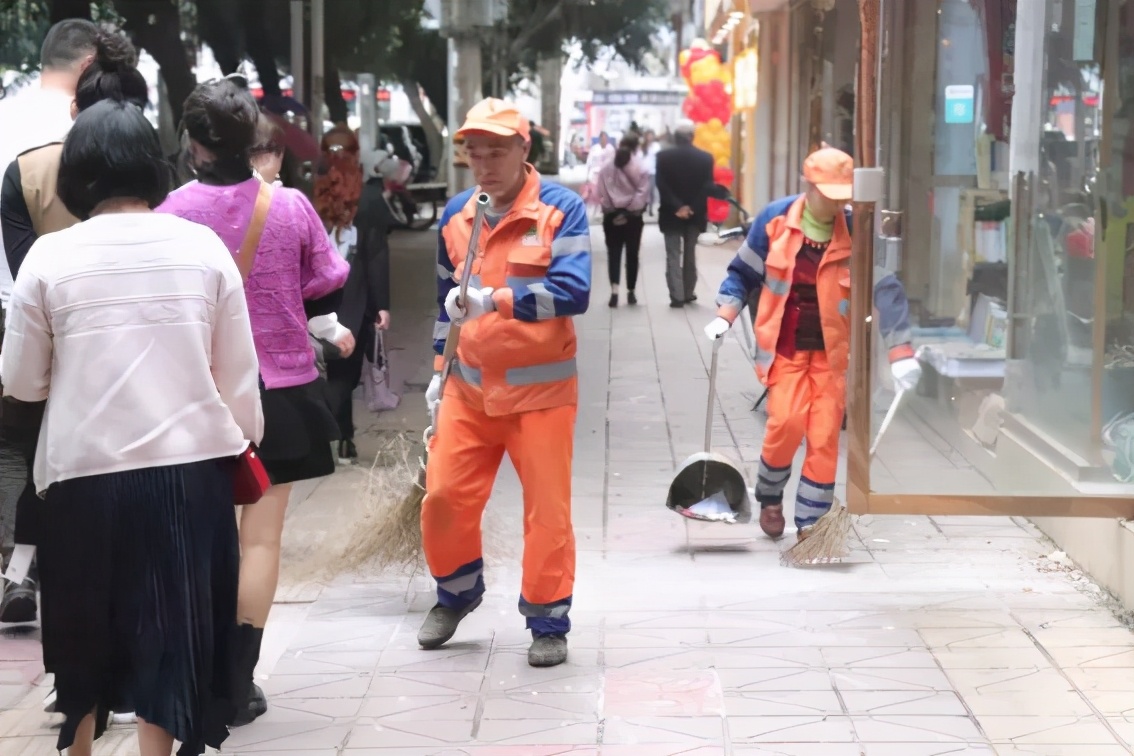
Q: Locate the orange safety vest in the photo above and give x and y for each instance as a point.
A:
(504, 365)
(785, 234)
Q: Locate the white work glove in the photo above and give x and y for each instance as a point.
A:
(907, 373)
(433, 397)
(478, 302)
(717, 329)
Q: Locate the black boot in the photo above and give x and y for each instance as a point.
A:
(247, 697)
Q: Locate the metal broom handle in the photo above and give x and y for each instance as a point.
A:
(712, 394)
(482, 201)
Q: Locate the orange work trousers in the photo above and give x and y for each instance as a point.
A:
(464, 457)
(805, 400)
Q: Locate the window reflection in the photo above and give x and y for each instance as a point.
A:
(1022, 288)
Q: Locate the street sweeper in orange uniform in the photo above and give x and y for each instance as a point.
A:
(797, 255)
(513, 386)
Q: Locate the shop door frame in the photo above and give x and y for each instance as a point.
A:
(861, 498)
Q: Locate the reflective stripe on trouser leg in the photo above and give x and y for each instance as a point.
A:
(812, 501)
(788, 395)
(821, 462)
(770, 483)
(463, 587)
(464, 455)
(540, 445)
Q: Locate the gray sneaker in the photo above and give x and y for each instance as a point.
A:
(548, 651)
(441, 623)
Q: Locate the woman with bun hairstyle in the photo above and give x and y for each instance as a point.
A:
(296, 275)
(29, 206)
(360, 235)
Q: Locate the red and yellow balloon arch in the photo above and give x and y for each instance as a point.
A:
(709, 106)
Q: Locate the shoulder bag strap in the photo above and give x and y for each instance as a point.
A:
(247, 254)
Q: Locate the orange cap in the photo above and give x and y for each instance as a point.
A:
(830, 171)
(493, 116)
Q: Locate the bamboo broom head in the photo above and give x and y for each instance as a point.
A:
(826, 542)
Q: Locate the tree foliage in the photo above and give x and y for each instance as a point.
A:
(537, 28)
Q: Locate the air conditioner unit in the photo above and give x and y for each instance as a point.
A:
(467, 15)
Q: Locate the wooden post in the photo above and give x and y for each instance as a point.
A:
(862, 267)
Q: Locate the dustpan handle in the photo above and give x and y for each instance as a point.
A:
(712, 394)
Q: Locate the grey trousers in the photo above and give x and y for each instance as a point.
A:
(681, 263)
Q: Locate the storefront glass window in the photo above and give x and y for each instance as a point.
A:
(1022, 288)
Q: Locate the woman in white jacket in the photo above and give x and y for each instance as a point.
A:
(132, 328)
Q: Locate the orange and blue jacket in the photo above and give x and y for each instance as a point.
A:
(538, 260)
(766, 263)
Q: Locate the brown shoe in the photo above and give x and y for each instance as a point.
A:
(772, 520)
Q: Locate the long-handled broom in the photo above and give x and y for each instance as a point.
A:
(827, 539)
(404, 520)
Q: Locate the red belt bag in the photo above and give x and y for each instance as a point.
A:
(250, 478)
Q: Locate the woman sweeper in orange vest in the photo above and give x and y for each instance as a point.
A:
(798, 250)
(513, 386)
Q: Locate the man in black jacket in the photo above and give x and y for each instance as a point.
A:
(684, 176)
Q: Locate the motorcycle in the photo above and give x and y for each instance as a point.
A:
(396, 175)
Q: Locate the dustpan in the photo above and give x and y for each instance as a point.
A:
(709, 486)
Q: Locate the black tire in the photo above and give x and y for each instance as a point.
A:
(425, 218)
(397, 211)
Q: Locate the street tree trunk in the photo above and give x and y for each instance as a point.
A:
(550, 78)
(433, 137)
(333, 93)
(156, 28)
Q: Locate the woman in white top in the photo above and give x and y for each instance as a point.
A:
(132, 327)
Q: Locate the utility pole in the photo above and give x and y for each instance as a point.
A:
(298, 51)
(461, 22)
(318, 67)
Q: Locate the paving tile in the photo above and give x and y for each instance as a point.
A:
(903, 703)
(783, 704)
(928, 749)
(798, 749)
(581, 707)
(276, 737)
(791, 730)
(1086, 730)
(538, 732)
(1037, 702)
(916, 729)
(660, 693)
(422, 707)
(1057, 749)
(682, 730)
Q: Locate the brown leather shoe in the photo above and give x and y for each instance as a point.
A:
(772, 520)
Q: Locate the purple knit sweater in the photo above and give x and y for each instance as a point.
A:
(295, 262)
